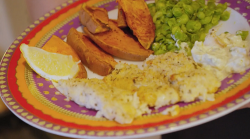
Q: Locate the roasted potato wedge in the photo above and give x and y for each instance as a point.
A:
(119, 44)
(57, 45)
(94, 18)
(139, 20)
(121, 19)
(91, 55)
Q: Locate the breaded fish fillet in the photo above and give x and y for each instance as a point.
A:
(129, 91)
(110, 102)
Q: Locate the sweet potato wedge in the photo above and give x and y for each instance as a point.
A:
(57, 45)
(119, 44)
(94, 18)
(93, 57)
(121, 19)
(139, 20)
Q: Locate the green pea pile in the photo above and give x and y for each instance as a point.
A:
(183, 21)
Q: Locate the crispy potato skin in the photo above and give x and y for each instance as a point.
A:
(139, 20)
(57, 45)
(119, 44)
(121, 19)
(93, 57)
(94, 18)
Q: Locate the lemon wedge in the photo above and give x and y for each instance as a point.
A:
(52, 66)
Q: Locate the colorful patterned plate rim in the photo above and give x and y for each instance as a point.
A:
(35, 100)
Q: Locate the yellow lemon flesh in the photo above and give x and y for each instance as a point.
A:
(52, 66)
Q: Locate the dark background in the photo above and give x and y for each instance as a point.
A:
(235, 125)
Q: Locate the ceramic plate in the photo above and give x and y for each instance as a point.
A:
(35, 100)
